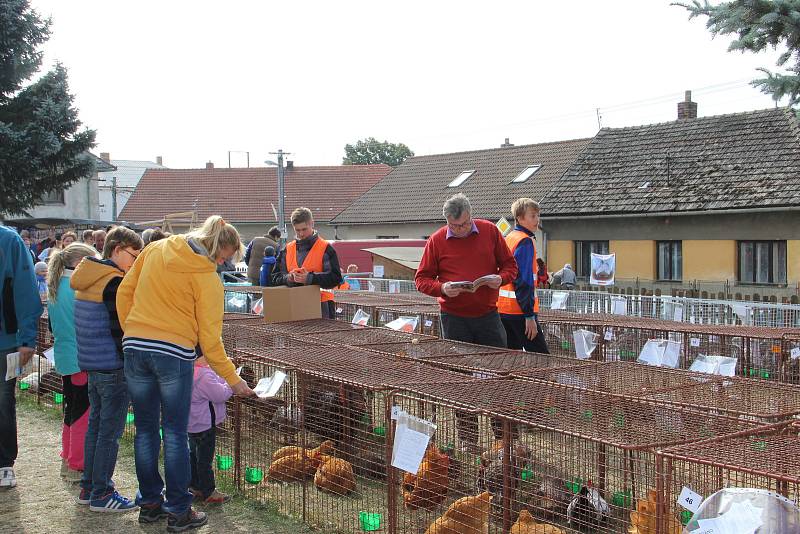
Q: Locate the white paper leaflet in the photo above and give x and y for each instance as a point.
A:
(13, 369)
(585, 343)
(411, 437)
(661, 353)
(269, 386)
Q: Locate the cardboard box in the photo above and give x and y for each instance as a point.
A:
(282, 304)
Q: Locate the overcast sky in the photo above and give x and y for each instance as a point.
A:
(192, 80)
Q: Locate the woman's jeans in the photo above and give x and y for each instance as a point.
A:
(160, 388)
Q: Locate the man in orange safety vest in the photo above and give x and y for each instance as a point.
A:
(309, 259)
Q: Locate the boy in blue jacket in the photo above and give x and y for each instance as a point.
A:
(20, 309)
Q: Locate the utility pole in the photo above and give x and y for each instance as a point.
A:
(113, 198)
(281, 195)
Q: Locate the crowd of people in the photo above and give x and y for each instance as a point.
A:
(137, 321)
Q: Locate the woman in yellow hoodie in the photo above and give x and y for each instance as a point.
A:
(170, 306)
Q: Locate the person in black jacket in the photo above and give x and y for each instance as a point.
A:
(309, 260)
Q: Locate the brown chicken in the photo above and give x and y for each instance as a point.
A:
(428, 488)
(468, 515)
(335, 475)
(643, 519)
(527, 525)
(326, 447)
(288, 464)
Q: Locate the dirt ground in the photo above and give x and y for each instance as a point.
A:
(43, 502)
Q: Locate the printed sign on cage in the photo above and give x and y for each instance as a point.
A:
(603, 268)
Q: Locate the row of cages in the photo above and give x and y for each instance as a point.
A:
(537, 441)
(503, 452)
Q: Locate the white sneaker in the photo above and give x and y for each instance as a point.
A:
(7, 477)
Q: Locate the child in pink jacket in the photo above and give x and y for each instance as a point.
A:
(208, 410)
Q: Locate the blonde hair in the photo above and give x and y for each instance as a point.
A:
(215, 234)
(521, 206)
(67, 258)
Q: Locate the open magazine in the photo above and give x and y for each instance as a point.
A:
(473, 286)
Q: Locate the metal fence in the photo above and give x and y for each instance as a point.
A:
(680, 309)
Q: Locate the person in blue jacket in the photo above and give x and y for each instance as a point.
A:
(267, 267)
(20, 309)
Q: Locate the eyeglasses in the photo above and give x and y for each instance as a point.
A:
(131, 253)
(463, 226)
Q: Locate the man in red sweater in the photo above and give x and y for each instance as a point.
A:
(465, 250)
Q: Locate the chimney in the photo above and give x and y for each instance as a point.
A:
(209, 165)
(289, 164)
(105, 156)
(506, 144)
(687, 109)
(159, 161)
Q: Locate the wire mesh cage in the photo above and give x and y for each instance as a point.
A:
(765, 458)
(500, 363)
(756, 400)
(322, 448)
(368, 336)
(622, 378)
(240, 299)
(428, 348)
(759, 351)
(574, 459)
(427, 315)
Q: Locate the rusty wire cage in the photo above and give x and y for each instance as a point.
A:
(334, 407)
(427, 316)
(46, 382)
(555, 451)
(428, 348)
(765, 458)
(761, 352)
(505, 362)
(791, 369)
(368, 336)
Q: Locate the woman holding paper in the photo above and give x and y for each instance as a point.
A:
(170, 306)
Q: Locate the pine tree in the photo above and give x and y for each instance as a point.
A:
(41, 149)
(371, 150)
(757, 25)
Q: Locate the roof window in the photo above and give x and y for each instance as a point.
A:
(461, 178)
(525, 174)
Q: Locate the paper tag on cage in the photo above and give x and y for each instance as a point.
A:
(694, 342)
(795, 352)
(428, 322)
(50, 355)
(397, 412)
(609, 334)
(690, 500)
(239, 370)
(339, 310)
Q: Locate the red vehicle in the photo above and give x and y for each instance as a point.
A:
(351, 250)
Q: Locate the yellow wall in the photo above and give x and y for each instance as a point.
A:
(709, 259)
(634, 258)
(559, 253)
(793, 261)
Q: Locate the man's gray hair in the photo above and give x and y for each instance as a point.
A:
(456, 206)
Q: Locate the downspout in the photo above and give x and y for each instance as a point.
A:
(88, 198)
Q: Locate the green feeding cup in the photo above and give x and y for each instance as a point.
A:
(253, 475)
(129, 418)
(622, 499)
(369, 521)
(224, 462)
(686, 516)
(526, 475)
(58, 398)
(24, 385)
(379, 431)
(574, 486)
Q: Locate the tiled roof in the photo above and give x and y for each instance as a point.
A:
(742, 160)
(416, 190)
(241, 195)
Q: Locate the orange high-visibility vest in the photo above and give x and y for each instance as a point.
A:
(507, 301)
(343, 286)
(313, 262)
